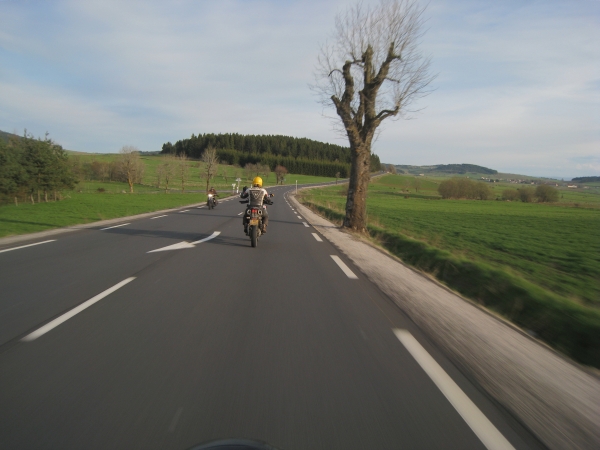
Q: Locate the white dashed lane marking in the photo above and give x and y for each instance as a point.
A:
(344, 267)
(306, 225)
(158, 217)
(317, 237)
(66, 316)
(116, 226)
(28, 245)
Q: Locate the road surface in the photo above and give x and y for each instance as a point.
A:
(164, 332)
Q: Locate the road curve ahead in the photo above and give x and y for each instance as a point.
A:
(171, 330)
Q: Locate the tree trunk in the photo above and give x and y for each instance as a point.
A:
(32, 202)
(39, 197)
(130, 186)
(356, 203)
(45, 196)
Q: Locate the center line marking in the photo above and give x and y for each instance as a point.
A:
(241, 213)
(317, 237)
(299, 217)
(66, 316)
(306, 225)
(28, 245)
(158, 217)
(185, 210)
(344, 267)
(116, 226)
(479, 423)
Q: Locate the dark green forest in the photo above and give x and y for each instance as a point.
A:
(297, 155)
(586, 179)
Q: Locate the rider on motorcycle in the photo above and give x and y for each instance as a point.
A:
(213, 191)
(256, 196)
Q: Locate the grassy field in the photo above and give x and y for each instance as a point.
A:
(506, 255)
(91, 201)
(223, 181)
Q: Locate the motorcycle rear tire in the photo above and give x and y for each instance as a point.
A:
(210, 205)
(254, 235)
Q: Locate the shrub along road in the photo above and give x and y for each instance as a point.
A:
(106, 343)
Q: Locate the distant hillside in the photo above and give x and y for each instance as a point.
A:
(586, 179)
(6, 136)
(446, 168)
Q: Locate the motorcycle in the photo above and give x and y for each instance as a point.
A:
(211, 201)
(254, 217)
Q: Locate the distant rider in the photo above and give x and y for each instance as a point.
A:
(257, 197)
(213, 191)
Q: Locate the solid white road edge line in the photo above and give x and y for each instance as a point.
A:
(481, 426)
(344, 267)
(116, 226)
(317, 237)
(185, 210)
(66, 316)
(306, 225)
(158, 217)
(28, 245)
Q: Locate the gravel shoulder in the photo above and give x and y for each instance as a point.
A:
(557, 399)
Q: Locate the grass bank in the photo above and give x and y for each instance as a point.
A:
(537, 265)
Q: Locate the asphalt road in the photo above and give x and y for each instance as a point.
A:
(217, 340)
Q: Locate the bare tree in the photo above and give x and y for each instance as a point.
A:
(211, 164)
(183, 170)
(166, 169)
(417, 184)
(370, 71)
(265, 172)
(131, 165)
(392, 168)
(280, 173)
(337, 177)
(250, 170)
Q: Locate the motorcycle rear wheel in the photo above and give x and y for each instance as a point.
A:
(254, 235)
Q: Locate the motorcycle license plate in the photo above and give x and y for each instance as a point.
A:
(253, 221)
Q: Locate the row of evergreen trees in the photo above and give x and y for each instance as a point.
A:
(33, 168)
(297, 155)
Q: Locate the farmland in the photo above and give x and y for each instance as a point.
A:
(485, 249)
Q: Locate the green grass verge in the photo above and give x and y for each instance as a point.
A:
(534, 264)
(79, 208)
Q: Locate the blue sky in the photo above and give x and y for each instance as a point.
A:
(518, 85)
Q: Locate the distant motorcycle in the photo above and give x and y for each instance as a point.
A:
(211, 202)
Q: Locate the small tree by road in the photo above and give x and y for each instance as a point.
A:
(131, 166)
(211, 165)
(280, 173)
(167, 170)
(183, 170)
